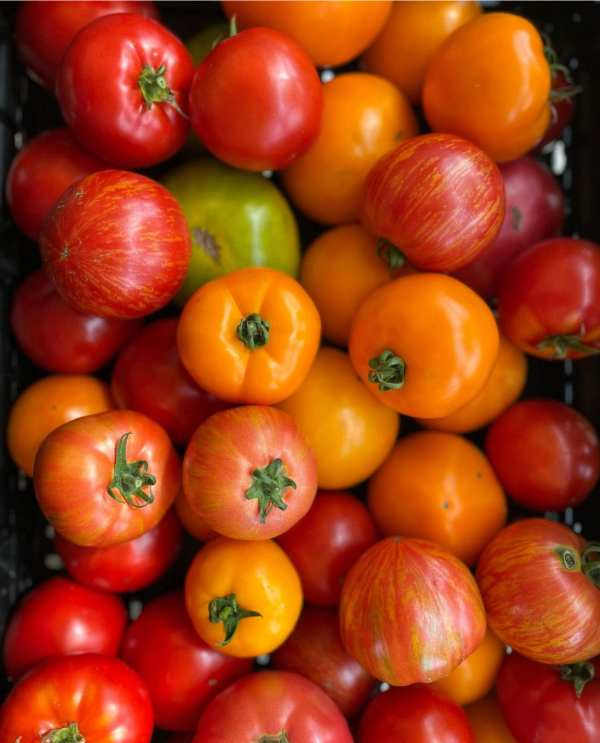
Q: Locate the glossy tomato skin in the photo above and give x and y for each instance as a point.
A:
(537, 598)
(108, 701)
(75, 467)
(181, 672)
(102, 103)
(245, 712)
(256, 100)
(220, 477)
(411, 186)
(62, 617)
(395, 626)
(116, 244)
(128, 566)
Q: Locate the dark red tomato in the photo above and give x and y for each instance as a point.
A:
(58, 337)
(181, 738)
(437, 198)
(545, 454)
(563, 108)
(128, 566)
(315, 650)
(535, 210)
(547, 703)
(419, 714)
(123, 86)
(116, 244)
(272, 707)
(61, 617)
(338, 528)
(181, 671)
(549, 299)
(148, 376)
(256, 101)
(75, 698)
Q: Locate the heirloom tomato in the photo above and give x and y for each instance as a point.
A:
(562, 97)
(486, 721)
(191, 522)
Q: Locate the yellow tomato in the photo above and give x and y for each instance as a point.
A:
(487, 723)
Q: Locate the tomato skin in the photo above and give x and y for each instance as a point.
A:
(107, 699)
(534, 602)
(395, 626)
(191, 522)
(74, 467)
(486, 721)
(563, 110)
(116, 244)
(219, 466)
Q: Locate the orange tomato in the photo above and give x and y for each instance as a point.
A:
(486, 721)
(411, 37)
(490, 83)
(249, 336)
(502, 389)
(440, 487)
(331, 32)
(46, 405)
(191, 522)
(351, 432)
(364, 116)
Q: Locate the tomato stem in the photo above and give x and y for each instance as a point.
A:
(233, 25)
(388, 371)
(516, 217)
(155, 89)
(227, 610)
(555, 66)
(281, 738)
(268, 487)
(569, 557)
(130, 477)
(253, 331)
(591, 567)
(578, 673)
(390, 254)
(562, 344)
(70, 734)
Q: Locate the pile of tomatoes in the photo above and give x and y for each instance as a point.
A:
(302, 451)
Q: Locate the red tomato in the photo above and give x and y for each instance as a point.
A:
(256, 100)
(107, 478)
(61, 617)
(249, 472)
(437, 198)
(181, 671)
(122, 86)
(75, 698)
(128, 566)
(563, 108)
(339, 529)
(116, 244)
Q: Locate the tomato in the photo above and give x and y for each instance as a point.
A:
(562, 106)
(61, 617)
(181, 672)
(424, 344)
(58, 337)
(546, 455)
(350, 432)
(128, 566)
(535, 210)
(148, 376)
(396, 626)
(249, 336)
(508, 114)
(236, 220)
(331, 33)
(107, 478)
(413, 34)
(78, 697)
(191, 522)
(122, 86)
(441, 487)
(47, 404)
(548, 299)
(539, 584)
(249, 472)
(504, 386)
(364, 116)
(486, 721)
(116, 244)
(273, 707)
(437, 198)
(243, 597)
(419, 714)
(339, 529)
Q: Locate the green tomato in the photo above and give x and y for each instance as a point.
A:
(237, 219)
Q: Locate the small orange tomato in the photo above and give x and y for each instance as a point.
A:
(425, 344)
(412, 35)
(243, 598)
(46, 405)
(486, 721)
(350, 432)
(249, 336)
(490, 83)
(502, 389)
(440, 487)
(191, 522)
(364, 116)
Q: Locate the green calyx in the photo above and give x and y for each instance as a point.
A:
(562, 344)
(281, 738)
(268, 487)
(390, 254)
(590, 562)
(155, 89)
(387, 371)
(569, 557)
(70, 734)
(130, 477)
(227, 610)
(578, 673)
(253, 331)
